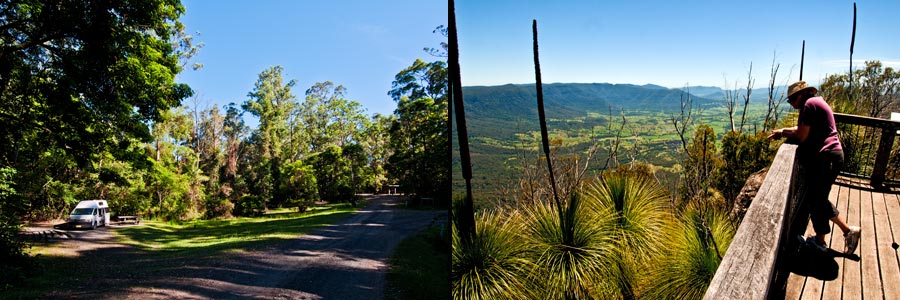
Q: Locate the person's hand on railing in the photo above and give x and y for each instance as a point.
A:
(776, 134)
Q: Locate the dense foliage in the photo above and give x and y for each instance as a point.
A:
(873, 91)
(79, 82)
(418, 136)
(614, 239)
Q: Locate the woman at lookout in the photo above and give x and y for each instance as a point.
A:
(821, 157)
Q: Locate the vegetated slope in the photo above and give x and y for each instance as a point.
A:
(503, 123)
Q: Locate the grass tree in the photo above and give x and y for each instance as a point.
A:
(572, 249)
(491, 264)
(691, 258)
(639, 215)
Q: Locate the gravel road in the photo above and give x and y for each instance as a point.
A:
(346, 260)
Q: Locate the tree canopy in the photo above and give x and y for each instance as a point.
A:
(85, 76)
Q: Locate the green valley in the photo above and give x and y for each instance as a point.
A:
(504, 130)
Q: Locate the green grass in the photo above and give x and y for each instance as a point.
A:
(420, 267)
(207, 236)
(161, 246)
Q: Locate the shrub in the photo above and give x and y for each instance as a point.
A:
(12, 250)
(249, 206)
(692, 257)
(493, 264)
(742, 154)
(299, 185)
(572, 248)
(639, 214)
(218, 207)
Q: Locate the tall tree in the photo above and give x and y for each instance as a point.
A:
(420, 80)
(271, 101)
(329, 118)
(174, 179)
(376, 142)
(234, 131)
(207, 139)
(419, 138)
(315, 115)
(704, 164)
(348, 121)
(419, 143)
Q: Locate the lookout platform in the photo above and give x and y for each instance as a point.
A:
(877, 274)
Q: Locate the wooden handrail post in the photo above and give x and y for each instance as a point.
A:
(883, 155)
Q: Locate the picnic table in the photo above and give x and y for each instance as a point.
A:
(131, 219)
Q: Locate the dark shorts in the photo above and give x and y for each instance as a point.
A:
(819, 173)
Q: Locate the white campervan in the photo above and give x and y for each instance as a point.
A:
(90, 213)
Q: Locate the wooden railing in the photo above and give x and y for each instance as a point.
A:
(749, 269)
(867, 146)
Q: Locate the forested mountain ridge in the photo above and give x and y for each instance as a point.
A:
(511, 106)
(563, 99)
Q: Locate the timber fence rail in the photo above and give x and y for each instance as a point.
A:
(869, 148)
(749, 269)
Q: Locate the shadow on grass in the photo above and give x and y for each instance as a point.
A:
(158, 250)
(209, 236)
(338, 261)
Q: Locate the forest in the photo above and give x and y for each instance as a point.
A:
(90, 109)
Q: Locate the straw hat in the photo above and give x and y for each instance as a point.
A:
(800, 86)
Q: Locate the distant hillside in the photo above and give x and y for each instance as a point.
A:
(717, 93)
(498, 111)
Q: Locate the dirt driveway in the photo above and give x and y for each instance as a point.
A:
(346, 260)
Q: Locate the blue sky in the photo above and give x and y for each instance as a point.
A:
(358, 44)
(670, 43)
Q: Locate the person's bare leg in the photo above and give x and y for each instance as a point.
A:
(837, 220)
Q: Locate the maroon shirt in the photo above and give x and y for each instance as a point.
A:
(823, 134)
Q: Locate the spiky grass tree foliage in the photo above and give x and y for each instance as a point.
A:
(691, 258)
(493, 265)
(571, 249)
(639, 216)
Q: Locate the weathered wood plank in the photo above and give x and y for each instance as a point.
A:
(852, 281)
(871, 281)
(812, 289)
(748, 266)
(794, 287)
(832, 290)
(886, 255)
(798, 286)
(892, 203)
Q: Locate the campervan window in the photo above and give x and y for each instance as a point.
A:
(83, 211)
